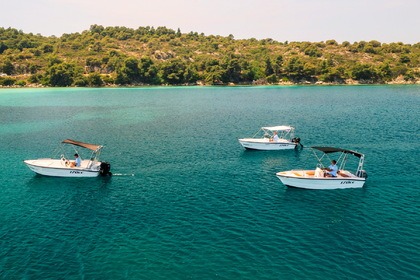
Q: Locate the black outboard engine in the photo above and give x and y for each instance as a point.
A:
(297, 141)
(361, 174)
(105, 169)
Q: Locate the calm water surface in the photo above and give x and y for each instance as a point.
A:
(188, 202)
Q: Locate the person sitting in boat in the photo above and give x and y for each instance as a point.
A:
(77, 161)
(331, 171)
(275, 137)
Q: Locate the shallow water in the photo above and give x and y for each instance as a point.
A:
(188, 202)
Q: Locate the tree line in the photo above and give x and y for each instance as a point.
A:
(107, 56)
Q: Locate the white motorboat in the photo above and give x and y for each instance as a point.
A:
(62, 167)
(317, 179)
(272, 138)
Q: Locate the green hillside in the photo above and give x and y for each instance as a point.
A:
(108, 56)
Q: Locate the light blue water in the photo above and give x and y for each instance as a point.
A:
(188, 202)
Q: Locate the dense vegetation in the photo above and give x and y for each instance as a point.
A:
(154, 56)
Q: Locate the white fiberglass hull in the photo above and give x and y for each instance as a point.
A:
(57, 168)
(306, 179)
(264, 144)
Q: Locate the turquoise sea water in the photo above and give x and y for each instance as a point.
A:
(188, 202)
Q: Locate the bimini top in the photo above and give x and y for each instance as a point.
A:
(92, 147)
(278, 128)
(329, 150)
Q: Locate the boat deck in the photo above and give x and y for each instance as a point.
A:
(316, 174)
(264, 140)
(57, 163)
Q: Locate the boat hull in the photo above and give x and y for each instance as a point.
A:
(55, 168)
(301, 179)
(266, 144)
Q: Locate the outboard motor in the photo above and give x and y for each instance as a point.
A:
(105, 169)
(361, 174)
(297, 141)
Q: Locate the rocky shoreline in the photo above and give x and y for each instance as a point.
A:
(398, 81)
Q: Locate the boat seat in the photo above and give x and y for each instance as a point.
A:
(342, 174)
